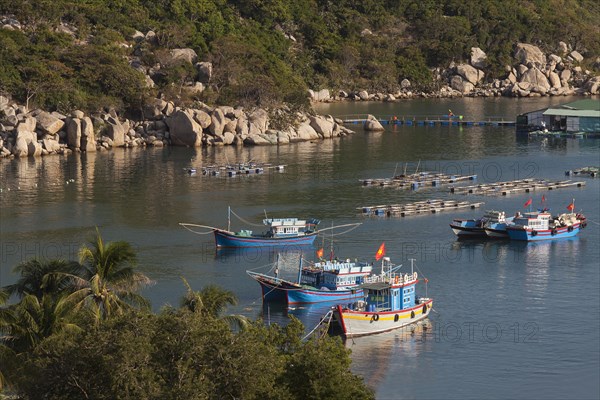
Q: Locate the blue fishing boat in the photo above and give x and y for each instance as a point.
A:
(477, 227)
(540, 225)
(390, 303)
(281, 232)
(321, 282)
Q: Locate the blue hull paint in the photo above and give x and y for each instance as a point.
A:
(519, 233)
(224, 239)
(290, 293)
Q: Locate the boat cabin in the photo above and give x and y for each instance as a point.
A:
(537, 220)
(282, 227)
(334, 275)
(396, 292)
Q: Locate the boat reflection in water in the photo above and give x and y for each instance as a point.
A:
(378, 353)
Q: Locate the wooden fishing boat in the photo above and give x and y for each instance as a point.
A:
(540, 225)
(390, 303)
(320, 282)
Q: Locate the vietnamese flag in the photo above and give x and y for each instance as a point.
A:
(527, 203)
(543, 198)
(381, 252)
(571, 207)
(320, 253)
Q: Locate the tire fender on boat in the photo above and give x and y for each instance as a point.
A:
(533, 233)
(375, 317)
(396, 318)
(583, 224)
(570, 228)
(425, 309)
(412, 314)
(553, 232)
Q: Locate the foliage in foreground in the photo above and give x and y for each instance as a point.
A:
(83, 331)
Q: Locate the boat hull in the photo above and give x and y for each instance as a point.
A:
(362, 323)
(468, 228)
(279, 290)
(225, 239)
(530, 235)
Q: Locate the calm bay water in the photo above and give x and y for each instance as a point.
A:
(512, 320)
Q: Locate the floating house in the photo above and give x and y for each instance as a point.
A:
(581, 116)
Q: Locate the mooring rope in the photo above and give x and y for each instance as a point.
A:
(328, 315)
(243, 220)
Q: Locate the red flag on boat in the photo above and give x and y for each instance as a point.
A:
(381, 252)
(320, 253)
(571, 207)
(426, 280)
(527, 203)
(543, 198)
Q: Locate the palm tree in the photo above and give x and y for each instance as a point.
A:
(39, 277)
(108, 283)
(211, 301)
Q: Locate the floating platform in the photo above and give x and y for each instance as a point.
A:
(427, 120)
(420, 207)
(231, 170)
(592, 172)
(417, 180)
(516, 186)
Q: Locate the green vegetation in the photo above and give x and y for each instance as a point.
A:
(266, 52)
(81, 330)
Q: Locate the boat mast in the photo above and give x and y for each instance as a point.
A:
(229, 218)
(300, 269)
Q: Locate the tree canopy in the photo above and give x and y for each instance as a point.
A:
(267, 51)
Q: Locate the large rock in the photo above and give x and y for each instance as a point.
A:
(228, 137)
(242, 127)
(184, 130)
(592, 85)
(260, 140)
(88, 138)
(20, 149)
(51, 145)
(74, 133)
(528, 53)
(34, 149)
(322, 126)
(458, 83)
(116, 133)
(563, 48)
(182, 55)
(478, 58)
(470, 73)
(373, 125)
(554, 80)
(260, 118)
(28, 125)
(320, 95)
(576, 56)
(203, 118)
(306, 132)
(405, 84)
(49, 123)
(363, 95)
(536, 78)
(218, 121)
(205, 70)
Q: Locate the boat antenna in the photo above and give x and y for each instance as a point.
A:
(395, 169)
(229, 218)
(331, 246)
(412, 260)
(266, 214)
(416, 170)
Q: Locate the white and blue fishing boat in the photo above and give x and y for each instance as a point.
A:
(280, 232)
(321, 282)
(477, 227)
(540, 225)
(496, 227)
(390, 303)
